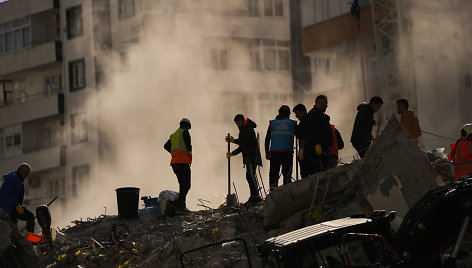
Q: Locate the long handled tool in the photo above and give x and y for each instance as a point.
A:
(230, 198)
(44, 220)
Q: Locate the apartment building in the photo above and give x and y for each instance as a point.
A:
(434, 74)
(53, 63)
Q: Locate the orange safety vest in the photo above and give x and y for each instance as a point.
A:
(333, 150)
(462, 158)
(179, 151)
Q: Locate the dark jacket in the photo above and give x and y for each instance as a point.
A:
(362, 130)
(317, 130)
(12, 192)
(339, 138)
(248, 143)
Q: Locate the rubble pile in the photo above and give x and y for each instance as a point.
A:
(393, 176)
(148, 241)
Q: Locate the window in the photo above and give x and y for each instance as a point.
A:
(80, 177)
(219, 59)
(322, 65)
(15, 35)
(78, 124)
(52, 85)
(53, 188)
(12, 141)
(468, 80)
(125, 9)
(270, 55)
(273, 8)
(253, 8)
(74, 22)
(77, 74)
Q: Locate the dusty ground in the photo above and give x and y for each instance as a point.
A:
(152, 242)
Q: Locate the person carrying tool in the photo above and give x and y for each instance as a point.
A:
(319, 138)
(362, 131)
(12, 194)
(279, 146)
(408, 119)
(462, 153)
(249, 146)
(338, 144)
(301, 113)
(180, 147)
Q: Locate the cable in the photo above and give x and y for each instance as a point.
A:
(432, 134)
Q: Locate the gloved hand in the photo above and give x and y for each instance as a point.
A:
(20, 210)
(268, 156)
(229, 154)
(230, 139)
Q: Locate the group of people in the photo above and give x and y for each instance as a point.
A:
(319, 143)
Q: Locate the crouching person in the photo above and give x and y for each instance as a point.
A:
(12, 194)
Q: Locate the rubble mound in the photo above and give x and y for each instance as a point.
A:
(151, 241)
(15, 251)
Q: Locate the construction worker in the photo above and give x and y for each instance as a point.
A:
(301, 114)
(249, 146)
(180, 147)
(362, 131)
(279, 146)
(462, 153)
(12, 194)
(338, 144)
(318, 137)
(408, 119)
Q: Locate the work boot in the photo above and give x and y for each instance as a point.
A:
(253, 199)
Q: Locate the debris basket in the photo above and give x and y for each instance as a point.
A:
(128, 201)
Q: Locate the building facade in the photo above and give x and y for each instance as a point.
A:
(58, 57)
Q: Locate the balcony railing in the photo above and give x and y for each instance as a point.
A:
(29, 97)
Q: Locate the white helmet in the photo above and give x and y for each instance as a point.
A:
(466, 130)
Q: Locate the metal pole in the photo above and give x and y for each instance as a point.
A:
(229, 167)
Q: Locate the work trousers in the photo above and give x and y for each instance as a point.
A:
(315, 163)
(182, 171)
(277, 160)
(361, 149)
(27, 216)
(251, 179)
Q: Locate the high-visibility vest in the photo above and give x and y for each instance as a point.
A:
(178, 150)
(463, 158)
(334, 148)
(282, 133)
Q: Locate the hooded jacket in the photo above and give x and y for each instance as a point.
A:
(12, 192)
(248, 143)
(411, 124)
(362, 130)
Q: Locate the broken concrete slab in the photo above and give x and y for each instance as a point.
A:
(394, 175)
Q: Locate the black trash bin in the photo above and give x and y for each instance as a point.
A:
(128, 201)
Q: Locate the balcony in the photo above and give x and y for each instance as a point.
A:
(12, 10)
(31, 107)
(33, 57)
(40, 160)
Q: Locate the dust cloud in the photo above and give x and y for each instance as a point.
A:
(161, 79)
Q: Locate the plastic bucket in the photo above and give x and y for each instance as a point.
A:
(128, 201)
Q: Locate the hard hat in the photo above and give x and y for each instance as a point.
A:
(185, 120)
(466, 130)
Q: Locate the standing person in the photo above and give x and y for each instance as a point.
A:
(462, 153)
(180, 147)
(279, 146)
(12, 194)
(338, 144)
(409, 120)
(301, 114)
(319, 137)
(249, 146)
(362, 131)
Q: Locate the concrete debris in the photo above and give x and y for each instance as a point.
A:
(148, 242)
(393, 176)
